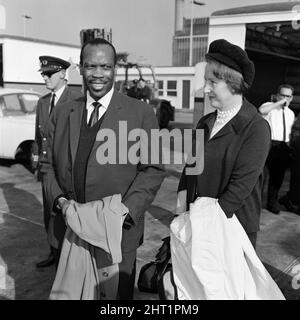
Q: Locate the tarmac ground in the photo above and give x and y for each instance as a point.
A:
(23, 239)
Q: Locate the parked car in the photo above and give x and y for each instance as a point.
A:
(17, 123)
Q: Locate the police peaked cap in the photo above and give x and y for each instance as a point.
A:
(233, 57)
(52, 64)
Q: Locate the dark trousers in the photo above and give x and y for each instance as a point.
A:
(46, 209)
(46, 213)
(294, 190)
(277, 162)
(127, 271)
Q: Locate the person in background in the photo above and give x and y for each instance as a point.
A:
(133, 90)
(291, 200)
(144, 92)
(74, 172)
(236, 141)
(53, 72)
(280, 118)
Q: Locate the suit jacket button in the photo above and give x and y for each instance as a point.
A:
(105, 274)
(44, 152)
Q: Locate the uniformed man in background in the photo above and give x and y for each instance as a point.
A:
(53, 71)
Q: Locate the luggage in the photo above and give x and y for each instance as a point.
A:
(156, 276)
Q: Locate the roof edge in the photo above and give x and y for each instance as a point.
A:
(260, 8)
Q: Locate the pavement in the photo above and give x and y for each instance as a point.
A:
(23, 240)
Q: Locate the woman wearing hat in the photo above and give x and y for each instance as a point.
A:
(236, 141)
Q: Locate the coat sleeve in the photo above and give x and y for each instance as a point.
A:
(51, 185)
(149, 176)
(248, 167)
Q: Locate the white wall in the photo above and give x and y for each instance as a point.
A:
(166, 74)
(234, 33)
(21, 60)
(2, 17)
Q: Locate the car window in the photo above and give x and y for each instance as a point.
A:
(12, 105)
(30, 102)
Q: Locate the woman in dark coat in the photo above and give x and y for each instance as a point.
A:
(236, 141)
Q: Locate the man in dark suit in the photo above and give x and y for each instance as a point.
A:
(76, 170)
(53, 71)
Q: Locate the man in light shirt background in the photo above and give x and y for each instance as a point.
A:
(280, 118)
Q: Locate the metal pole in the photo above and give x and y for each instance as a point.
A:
(191, 35)
(25, 16)
(24, 26)
(192, 29)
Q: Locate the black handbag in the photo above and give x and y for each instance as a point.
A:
(152, 275)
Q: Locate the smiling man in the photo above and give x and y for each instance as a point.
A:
(53, 72)
(75, 174)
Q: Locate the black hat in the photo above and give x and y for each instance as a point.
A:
(52, 64)
(233, 57)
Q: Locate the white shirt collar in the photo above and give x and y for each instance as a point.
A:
(58, 93)
(105, 100)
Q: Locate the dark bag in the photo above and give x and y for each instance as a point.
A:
(166, 286)
(147, 281)
(154, 275)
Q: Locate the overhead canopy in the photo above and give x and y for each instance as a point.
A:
(269, 7)
(280, 38)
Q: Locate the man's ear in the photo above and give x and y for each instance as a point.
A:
(63, 73)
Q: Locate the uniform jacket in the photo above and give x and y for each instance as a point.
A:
(234, 159)
(137, 183)
(42, 122)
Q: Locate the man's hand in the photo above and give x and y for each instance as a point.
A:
(63, 204)
(34, 161)
(282, 103)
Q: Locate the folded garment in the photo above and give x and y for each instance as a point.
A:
(213, 259)
(94, 232)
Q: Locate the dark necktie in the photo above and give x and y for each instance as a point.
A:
(284, 127)
(95, 114)
(52, 103)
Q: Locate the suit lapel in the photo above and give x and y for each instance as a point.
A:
(239, 121)
(75, 118)
(45, 111)
(45, 108)
(64, 97)
(227, 129)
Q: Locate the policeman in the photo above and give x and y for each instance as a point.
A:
(53, 71)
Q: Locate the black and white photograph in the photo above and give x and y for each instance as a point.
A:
(149, 153)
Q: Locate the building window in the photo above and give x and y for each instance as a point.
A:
(160, 85)
(172, 88)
